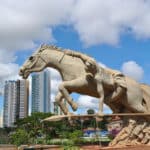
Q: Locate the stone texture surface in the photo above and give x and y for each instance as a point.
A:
(81, 74)
(135, 132)
(8, 147)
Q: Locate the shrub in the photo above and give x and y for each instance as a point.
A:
(19, 137)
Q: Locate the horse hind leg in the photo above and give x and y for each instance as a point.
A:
(100, 91)
(58, 100)
(113, 108)
(138, 108)
(144, 104)
(141, 109)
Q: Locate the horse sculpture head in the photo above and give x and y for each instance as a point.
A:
(34, 63)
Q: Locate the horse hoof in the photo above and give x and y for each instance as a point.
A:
(100, 114)
(70, 114)
(75, 106)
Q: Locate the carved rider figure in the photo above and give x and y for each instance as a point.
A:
(119, 84)
(92, 70)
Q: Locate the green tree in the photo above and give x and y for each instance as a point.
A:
(90, 111)
(75, 136)
(19, 137)
(40, 131)
(4, 138)
(102, 124)
(34, 126)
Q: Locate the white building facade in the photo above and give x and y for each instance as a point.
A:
(15, 101)
(41, 92)
(10, 103)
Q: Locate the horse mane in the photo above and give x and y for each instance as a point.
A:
(56, 48)
(51, 47)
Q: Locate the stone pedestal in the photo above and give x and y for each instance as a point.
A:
(136, 131)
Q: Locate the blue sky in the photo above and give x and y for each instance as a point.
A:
(114, 32)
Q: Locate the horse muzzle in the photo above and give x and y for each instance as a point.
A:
(23, 73)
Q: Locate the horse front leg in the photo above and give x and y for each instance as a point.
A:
(64, 89)
(76, 85)
(59, 101)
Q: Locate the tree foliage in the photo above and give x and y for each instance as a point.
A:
(90, 111)
(20, 136)
(33, 127)
(39, 131)
(4, 138)
(33, 130)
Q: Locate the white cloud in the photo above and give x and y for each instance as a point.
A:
(107, 110)
(52, 98)
(100, 21)
(88, 102)
(102, 65)
(25, 23)
(55, 75)
(54, 85)
(132, 69)
(8, 72)
(7, 56)
(55, 81)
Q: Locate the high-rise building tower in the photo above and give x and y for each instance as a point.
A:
(41, 92)
(10, 103)
(15, 101)
(22, 97)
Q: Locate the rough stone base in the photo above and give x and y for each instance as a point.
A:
(8, 147)
(136, 131)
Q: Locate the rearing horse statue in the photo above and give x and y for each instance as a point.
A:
(134, 97)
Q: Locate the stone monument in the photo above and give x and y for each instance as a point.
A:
(81, 74)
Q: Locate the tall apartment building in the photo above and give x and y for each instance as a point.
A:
(1, 120)
(41, 92)
(10, 103)
(22, 97)
(15, 101)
